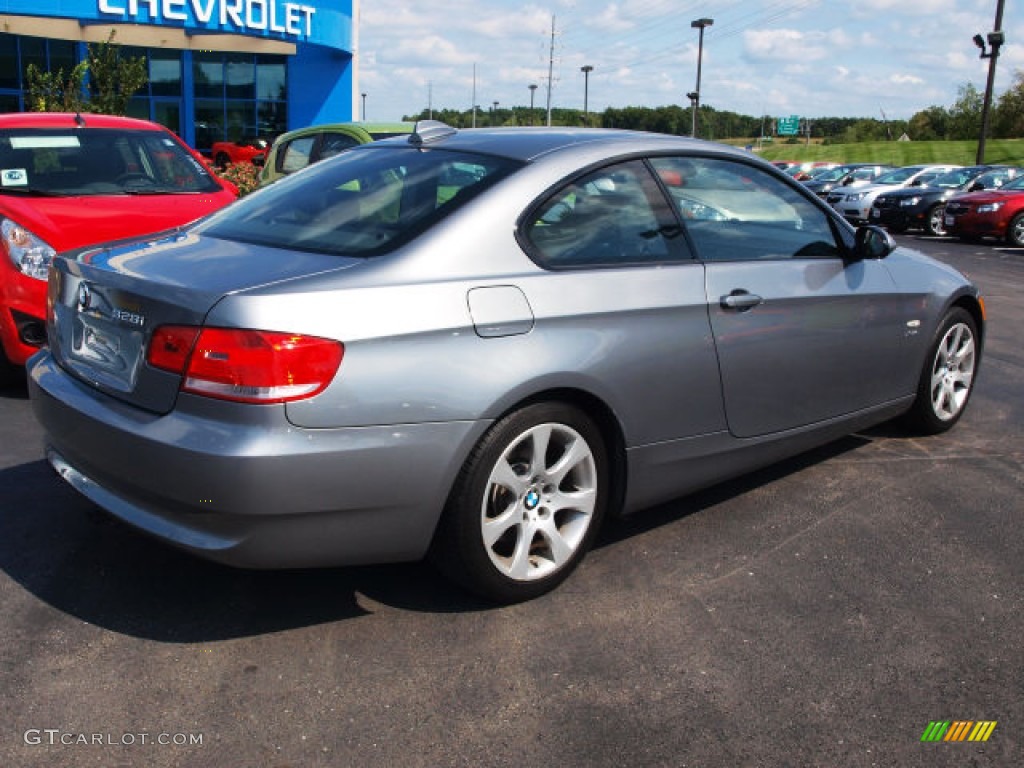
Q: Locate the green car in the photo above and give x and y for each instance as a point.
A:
(296, 149)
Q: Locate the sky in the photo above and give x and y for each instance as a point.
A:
(886, 59)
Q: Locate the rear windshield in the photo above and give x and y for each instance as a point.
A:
(361, 203)
(97, 161)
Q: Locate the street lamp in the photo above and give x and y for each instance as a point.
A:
(494, 114)
(363, 113)
(533, 90)
(586, 69)
(698, 24)
(995, 41)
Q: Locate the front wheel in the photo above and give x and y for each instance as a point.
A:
(1015, 232)
(947, 379)
(935, 223)
(526, 505)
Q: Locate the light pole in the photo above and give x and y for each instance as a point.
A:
(586, 69)
(533, 90)
(698, 24)
(494, 114)
(995, 41)
(363, 113)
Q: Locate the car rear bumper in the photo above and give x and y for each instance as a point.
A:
(254, 493)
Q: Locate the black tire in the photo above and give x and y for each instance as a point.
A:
(934, 222)
(9, 373)
(947, 378)
(1015, 232)
(539, 481)
(222, 160)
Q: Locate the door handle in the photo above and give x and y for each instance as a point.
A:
(740, 300)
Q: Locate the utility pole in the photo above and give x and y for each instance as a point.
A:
(586, 69)
(995, 41)
(551, 65)
(474, 94)
(699, 24)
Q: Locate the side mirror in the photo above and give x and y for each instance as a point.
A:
(848, 181)
(872, 242)
(975, 186)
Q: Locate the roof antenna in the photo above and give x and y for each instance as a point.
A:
(79, 120)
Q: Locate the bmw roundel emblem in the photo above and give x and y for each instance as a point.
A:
(84, 297)
(532, 499)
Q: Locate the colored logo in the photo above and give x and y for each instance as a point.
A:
(958, 730)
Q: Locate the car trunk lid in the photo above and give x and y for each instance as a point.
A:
(105, 303)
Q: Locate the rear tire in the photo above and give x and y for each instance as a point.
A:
(527, 504)
(947, 378)
(222, 161)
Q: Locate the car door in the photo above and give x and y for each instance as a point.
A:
(802, 334)
(624, 292)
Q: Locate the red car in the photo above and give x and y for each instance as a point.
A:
(225, 153)
(69, 181)
(990, 213)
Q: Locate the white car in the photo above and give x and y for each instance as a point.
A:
(855, 204)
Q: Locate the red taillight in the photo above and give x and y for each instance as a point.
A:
(170, 347)
(246, 366)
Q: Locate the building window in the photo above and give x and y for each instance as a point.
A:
(17, 52)
(238, 96)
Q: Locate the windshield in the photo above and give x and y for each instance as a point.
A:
(954, 179)
(97, 161)
(831, 174)
(898, 176)
(1017, 183)
(360, 203)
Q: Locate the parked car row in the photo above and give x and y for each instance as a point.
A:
(970, 202)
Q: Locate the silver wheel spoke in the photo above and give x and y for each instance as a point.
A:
(540, 439)
(561, 550)
(505, 476)
(519, 567)
(495, 528)
(578, 453)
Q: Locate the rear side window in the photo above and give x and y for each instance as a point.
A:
(738, 212)
(333, 144)
(615, 216)
(362, 203)
(295, 155)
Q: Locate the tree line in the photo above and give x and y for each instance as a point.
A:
(960, 121)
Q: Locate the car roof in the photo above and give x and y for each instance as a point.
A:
(361, 130)
(73, 120)
(527, 144)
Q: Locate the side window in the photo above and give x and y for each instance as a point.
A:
(738, 212)
(335, 143)
(610, 217)
(294, 155)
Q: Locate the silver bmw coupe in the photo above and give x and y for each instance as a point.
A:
(475, 345)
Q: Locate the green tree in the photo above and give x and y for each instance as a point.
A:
(931, 124)
(965, 114)
(1008, 122)
(113, 78)
(56, 91)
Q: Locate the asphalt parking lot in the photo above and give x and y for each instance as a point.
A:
(821, 612)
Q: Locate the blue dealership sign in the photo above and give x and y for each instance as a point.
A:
(321, 22)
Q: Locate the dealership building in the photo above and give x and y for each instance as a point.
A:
(218, 69)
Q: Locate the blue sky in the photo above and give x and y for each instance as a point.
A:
(812, 58)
